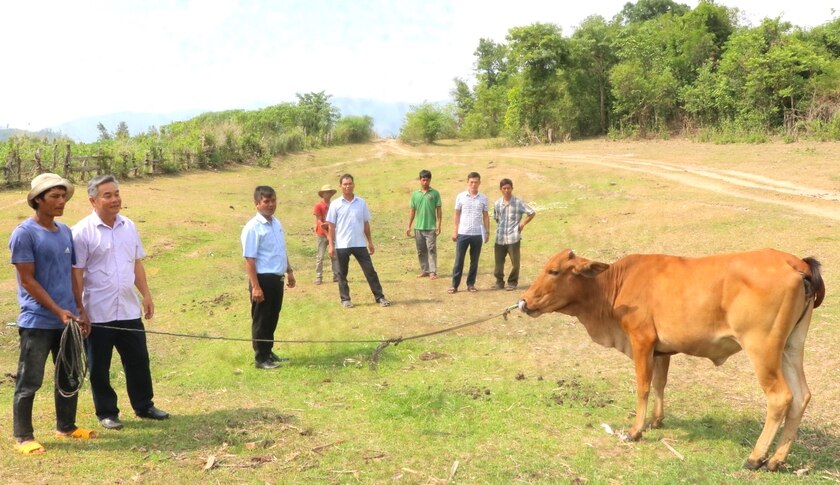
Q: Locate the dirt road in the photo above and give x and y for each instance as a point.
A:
(750, 186)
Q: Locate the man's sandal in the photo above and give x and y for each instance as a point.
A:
(78, 433)
(30, 447)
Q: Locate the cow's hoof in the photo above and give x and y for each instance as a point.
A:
(629, 437)
(751, 464)
(774, 465)
(656, 424)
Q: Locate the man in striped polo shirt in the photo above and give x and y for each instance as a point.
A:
(472, 229)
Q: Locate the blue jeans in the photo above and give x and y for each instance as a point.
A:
(35, 345)
(134, 355)
(474, 244)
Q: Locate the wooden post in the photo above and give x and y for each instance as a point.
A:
(55, 157)
(67, 160)
(39, 169)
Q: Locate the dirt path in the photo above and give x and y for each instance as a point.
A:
(744, 185)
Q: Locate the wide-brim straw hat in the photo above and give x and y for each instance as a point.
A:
(326, 188)
(46, 181)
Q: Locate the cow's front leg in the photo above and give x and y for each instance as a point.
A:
(661, 363)
(643, 360)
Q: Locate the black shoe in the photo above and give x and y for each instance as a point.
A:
(152, 413)
(111, 423)
(275, 358)
(267, 364)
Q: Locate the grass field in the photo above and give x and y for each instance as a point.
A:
(516, 400)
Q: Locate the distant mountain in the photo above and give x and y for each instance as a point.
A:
(84, 129)
(388, 118)
(7, 133)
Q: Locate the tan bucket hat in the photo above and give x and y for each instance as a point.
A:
(326, 188)
(46, 181)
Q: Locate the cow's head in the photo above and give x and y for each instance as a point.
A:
(559, 284)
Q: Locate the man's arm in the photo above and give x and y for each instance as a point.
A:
(528, 218)
(369, 237)
(290, 274)
(331, 239)
(143, 287)
(457, 219)
(26, 273)
(411, 213)
(486, 222)
(251, 270)
(78, 276)
(438, 219)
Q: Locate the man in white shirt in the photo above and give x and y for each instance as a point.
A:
(349, 234)
(108, 268)
(472, 229)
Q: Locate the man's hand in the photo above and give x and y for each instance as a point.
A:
(371, 249)
(290, 280)
(257, 295)
(148, 308)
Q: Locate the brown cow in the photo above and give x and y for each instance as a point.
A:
(653, 306)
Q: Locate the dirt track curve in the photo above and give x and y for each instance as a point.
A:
(758, 188)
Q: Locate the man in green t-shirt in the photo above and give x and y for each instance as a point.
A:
(425, 214)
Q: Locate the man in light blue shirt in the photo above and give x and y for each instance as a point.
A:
(266, 263)
(349, 234)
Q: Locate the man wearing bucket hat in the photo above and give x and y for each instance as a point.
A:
(321, 227)
(43, 255)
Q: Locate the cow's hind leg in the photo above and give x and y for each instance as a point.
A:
(661, 363)
(766, 357)
(792, 367)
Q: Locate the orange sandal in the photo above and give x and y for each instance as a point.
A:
(78, 433)
(30, 447)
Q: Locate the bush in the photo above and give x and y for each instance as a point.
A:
(353, 129)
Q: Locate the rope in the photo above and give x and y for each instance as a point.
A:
(71, 360)
(76, 363)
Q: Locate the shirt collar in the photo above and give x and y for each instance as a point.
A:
(262, 218)
(97, 221)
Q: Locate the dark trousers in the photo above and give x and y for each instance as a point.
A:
(264, 315)
(502, 251)
(35, 345)
(464, 242)
(134, 355)
(363, 257)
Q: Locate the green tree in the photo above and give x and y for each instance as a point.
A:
(315, 113)
(427, 122)
(543, 110)
(104, 135)
(644, 10)
(122, 131)
(592, 56)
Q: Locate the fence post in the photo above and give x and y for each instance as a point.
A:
(55, 157)
(67, 160)
(39, 169)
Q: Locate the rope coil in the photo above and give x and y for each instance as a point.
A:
(70, 360)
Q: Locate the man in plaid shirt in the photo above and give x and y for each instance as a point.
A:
(508, 213)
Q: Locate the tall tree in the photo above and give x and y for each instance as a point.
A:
(592, 57)
(540, 100)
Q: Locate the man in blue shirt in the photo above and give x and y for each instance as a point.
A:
(349, 220)
(42, 253)
(266, 263)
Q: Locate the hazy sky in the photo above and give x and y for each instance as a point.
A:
(65, 59)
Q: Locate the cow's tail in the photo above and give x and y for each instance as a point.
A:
(814, 285)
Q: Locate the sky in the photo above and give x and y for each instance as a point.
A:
(68, 59)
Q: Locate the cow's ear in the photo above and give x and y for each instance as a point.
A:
(592, 269)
